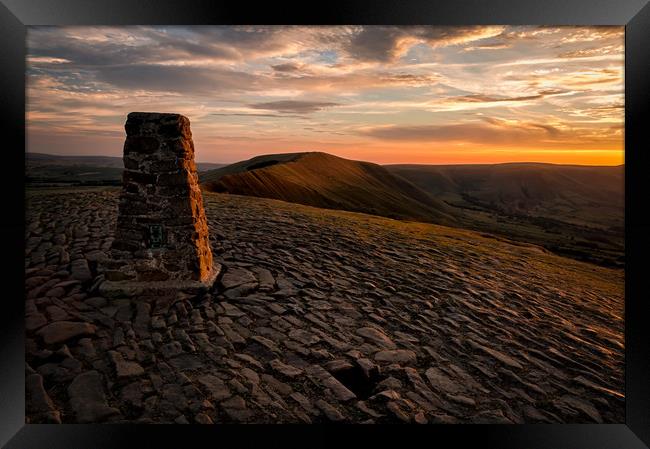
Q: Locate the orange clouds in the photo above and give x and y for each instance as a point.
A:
(381, 93)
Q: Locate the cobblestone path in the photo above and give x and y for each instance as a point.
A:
(319, 316)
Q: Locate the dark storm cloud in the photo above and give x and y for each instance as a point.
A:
(174, 58)
(288, 67)
(494, 132)
(176, 78)
(252, 114)
(380, 43)
(67, 104)
(526, 126)
(157, 58)
(374, 43)
(479, 98)
(243, 37)
(153, 46)
(293, 106)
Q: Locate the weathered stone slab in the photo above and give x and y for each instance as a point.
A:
(284, 369)
(124, 368)
(34, 321)
(376, 336)
(87, 398)
(396, 356)
(38, 402)
(216, 387)
(235, 277)
(61, 331)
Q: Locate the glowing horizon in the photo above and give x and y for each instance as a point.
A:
(426, 95)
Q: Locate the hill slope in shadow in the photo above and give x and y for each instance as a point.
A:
(576, 211)
(581, 195)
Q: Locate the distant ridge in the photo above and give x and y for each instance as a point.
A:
(51, 166)
(327, 181)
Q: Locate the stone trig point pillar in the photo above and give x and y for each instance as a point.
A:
(161, 241)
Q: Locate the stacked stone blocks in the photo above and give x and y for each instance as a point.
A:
(162, 232)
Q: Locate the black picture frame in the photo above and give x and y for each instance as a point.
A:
(15, 15)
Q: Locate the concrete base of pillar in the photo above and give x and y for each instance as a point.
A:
(121, 289)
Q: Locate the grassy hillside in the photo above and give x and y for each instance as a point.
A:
(323, 180)
(577, 211)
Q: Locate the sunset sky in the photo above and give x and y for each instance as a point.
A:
(436, 95)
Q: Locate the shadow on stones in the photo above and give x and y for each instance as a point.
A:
(259, 352)
(356, 380)
(215, 289)
(93, 266)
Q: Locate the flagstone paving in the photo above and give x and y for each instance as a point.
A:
(319, 316)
